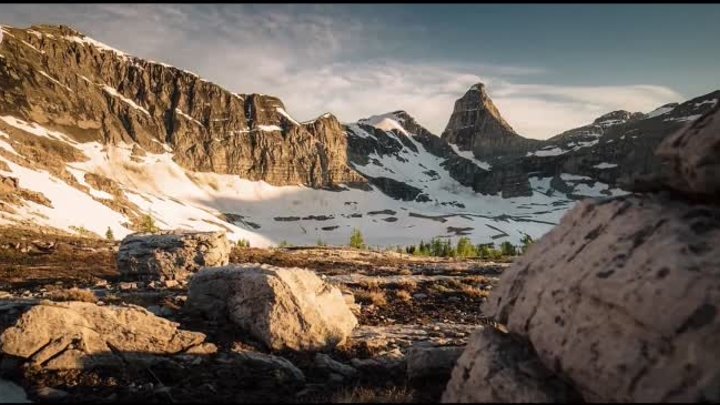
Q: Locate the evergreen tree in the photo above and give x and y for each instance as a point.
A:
(508, 249)
(465, 248)
(527, 240)
(109, 234)
(356, 239)
(147, 224)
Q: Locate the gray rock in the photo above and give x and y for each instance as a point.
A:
(286, 308)
(12, 393)
(283, 369)
(693, 154)
(622, 299)
(495, 368)
(68, 335)
(325, 362)
(425, 361)
(171, 255)
(51, 394)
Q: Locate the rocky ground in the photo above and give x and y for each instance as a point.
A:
(402, 303)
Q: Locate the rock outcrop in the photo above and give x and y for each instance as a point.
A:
(621, 298)
(476, 125)
(285, 308)
(495, 368)
(56, 76)
(72, 335)
(429, 362)
(694, 156)
(171, 255)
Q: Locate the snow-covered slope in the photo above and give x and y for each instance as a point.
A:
(266, 214)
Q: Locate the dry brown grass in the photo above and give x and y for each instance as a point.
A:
(407, 285)
(363, 395)
(73, 294)
(375, 297)
(474, 292)
(369, 284)
(440, 288)
(403, 295)
(456, 284)
(475, 280)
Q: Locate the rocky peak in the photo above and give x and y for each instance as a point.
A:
(618, 117)
(477, 125)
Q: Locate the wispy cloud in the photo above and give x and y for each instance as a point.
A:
(317, 59)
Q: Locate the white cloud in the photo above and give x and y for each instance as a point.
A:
(318, 61)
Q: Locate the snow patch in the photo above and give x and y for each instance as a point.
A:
(553, 151)
(54, 80)
(470, 156)
(286, 115)
(605, 165)
(35, 129)
(97, 44)
(386, 122)
(188, 117)
(269, 128)
(659, 111)
(126, 100)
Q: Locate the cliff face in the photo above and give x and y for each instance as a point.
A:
(477, 126)
(61, 79)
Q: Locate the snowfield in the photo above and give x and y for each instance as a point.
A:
(266, 215)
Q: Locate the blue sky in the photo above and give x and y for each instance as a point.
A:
(548, 67)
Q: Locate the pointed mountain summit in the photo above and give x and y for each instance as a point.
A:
(476, 125)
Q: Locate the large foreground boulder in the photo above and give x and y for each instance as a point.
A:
(497, 368)
(69, 335)
(286, 308)
(171, 255)
(622, 298)
(693, 155)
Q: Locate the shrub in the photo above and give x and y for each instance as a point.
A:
(356, 239)
(370, 284)
(465, 248)
(109, 234)
(82, 231)
(148, 225)
(403, 295)
(243, 243)
(373, 395)
(473, 292)
(73, 294)
(374, 297)
(508, 249)
(407, 285)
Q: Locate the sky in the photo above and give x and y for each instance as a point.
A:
(548, 68)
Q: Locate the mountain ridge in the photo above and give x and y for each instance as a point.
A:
(126, 137)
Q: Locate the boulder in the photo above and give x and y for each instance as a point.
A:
(171, 255)
(282, 369)
(12, 393)
(330, 366)
(693, 154)
(622, 299)
(426, 361)
(285, 308)
(496, 368)
(69, 335)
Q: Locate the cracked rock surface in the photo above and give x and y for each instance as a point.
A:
(286, 308)
(70, 335)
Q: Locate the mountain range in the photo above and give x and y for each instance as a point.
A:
(92, 138)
